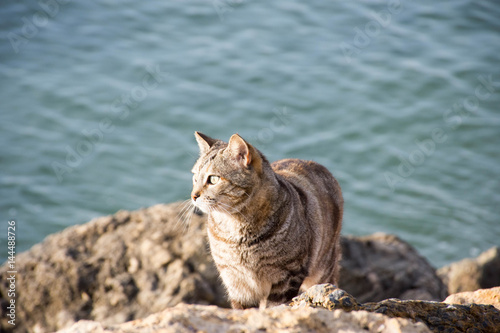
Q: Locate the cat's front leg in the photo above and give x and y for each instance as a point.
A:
(237, 305)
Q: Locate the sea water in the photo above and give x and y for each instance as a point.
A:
(400, 100)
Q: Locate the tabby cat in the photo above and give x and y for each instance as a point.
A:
(273, 228)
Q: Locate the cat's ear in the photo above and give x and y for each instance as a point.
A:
(204, 142)
(243, 152)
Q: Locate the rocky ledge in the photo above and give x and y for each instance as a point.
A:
(322, 308)
(147, 264)
(185, 318)
(439, 317)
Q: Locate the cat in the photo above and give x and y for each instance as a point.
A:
(273, 229)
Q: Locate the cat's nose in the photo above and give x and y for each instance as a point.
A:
(195, 195)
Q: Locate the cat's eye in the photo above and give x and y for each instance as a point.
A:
(212, 180)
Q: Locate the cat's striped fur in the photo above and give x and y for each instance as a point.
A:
(273, 228)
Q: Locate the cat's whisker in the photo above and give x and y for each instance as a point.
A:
(225, 210)
(186, 214)
(187, 224)
(226, 205)
(186, 206)
(233, 208)
(210, 210)
(229, 213)
(181, 211)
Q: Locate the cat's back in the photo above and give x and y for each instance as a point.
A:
(308, 176)
(317, 199)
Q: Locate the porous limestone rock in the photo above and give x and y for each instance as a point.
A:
(482, 296)
(114, 269)
(382, 266)
(322, 308)
(326, 296)
(439, 317)
(471, 274)
(198, 318)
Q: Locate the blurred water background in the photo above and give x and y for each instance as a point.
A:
(400, 100)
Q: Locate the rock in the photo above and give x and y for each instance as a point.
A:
(326, 296)
(132, 264)
(437, 316)
(383, 266)
(308, 313)
(441, 317)
(483, 296)
(113, 269)
(473, 274)
(199, 318)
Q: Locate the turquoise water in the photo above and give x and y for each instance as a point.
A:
(400, 102)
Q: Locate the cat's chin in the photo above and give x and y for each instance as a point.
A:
(201, 207)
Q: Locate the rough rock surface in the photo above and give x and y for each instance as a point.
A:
(439, 317)
(382, 266)
(113, 269)
(326, 296)
(322, 308)
(132, 264)
(198, 318)
(473, 274)
(483, 296)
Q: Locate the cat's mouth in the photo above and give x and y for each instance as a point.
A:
(205, 205)
(201, 206)
(210, 206)
(198, 211)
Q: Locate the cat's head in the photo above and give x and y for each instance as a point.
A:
(225, 174)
